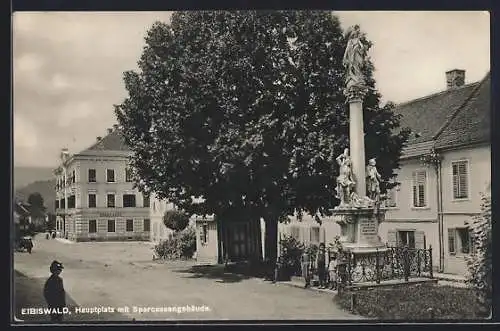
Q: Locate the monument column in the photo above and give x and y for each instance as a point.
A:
(357, 143)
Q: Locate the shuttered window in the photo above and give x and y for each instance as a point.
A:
(460, 171)
(315, 235)
(419, 183)
(460, 241)
(451, 241)
(295, 232)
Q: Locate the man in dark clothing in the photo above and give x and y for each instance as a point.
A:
(321, 265)
(54, 293)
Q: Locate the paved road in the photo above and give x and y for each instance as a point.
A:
(123, 274)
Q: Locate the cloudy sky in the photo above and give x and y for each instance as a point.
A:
(68, 67)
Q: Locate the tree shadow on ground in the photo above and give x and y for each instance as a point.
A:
(232, 273)
(28, 293)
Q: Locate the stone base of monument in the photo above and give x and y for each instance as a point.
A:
(359, 228)
(360, 240)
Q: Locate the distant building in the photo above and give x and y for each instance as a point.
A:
(95, 195)
(157, 210)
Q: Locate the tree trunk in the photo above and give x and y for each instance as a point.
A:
(271, 239)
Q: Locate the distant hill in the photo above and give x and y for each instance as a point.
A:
(26, 175)
(45, 187)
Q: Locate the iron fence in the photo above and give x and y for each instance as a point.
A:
(388, 264)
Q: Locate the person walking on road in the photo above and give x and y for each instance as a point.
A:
(321, 265)
(54, 293)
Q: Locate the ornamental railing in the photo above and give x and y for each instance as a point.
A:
(389, 264)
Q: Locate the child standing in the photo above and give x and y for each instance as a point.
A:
(332, 271)
(321, 265)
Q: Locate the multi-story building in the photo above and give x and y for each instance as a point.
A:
(444, 169)
(95, 194)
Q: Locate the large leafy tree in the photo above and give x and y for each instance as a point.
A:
(246, 110)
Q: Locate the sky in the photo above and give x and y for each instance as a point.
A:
(68, 67)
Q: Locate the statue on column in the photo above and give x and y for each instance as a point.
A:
(354, 61)
(345, 181)
(373, 181)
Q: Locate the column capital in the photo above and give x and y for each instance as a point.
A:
(355, 93)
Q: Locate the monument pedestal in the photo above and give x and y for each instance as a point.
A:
(360, 240)
(359, 229)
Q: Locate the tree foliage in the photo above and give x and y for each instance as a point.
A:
(246, 109)
(36, 205)
(480, 264)
(175, 220)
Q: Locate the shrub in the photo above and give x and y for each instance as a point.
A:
(175, 220)
(181, 245)
(480, 262)
(412, 302)
(291, 250)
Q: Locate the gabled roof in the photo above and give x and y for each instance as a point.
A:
(425, 116)
(454, 116)
(471, 124)
(114, 141)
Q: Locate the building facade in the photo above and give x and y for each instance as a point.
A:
(444, 169)
(157, 210)
(95, 195)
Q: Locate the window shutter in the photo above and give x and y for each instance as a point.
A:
(322, 235)
(419, 239)
(451, 241)
(304, 234)
(391, 238)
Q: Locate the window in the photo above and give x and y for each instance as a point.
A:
(419, 183)
(129, 200)
(92, 226)
(147, 225)
(71, 201)
(460, 171)
(111, 225)
(130, 226)
(145, 199)
(460, 241)
(295, 232)
(111, 201)
(63, 203)
(57, 204)
(92, 201)
(315, 234)
(406, 238)
(204, 234)
(92, 176)
(73, 177)
(128, 175)
(110, 175)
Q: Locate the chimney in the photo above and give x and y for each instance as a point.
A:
(455, 78)
(115, 126)
(98, 139)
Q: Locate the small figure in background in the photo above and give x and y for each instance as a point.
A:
(321, 265)
(332, 271)
(54, 293)
(305, 263)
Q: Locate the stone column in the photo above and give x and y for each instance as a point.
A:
(357, 144)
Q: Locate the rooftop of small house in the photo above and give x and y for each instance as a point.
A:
(459, 115)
